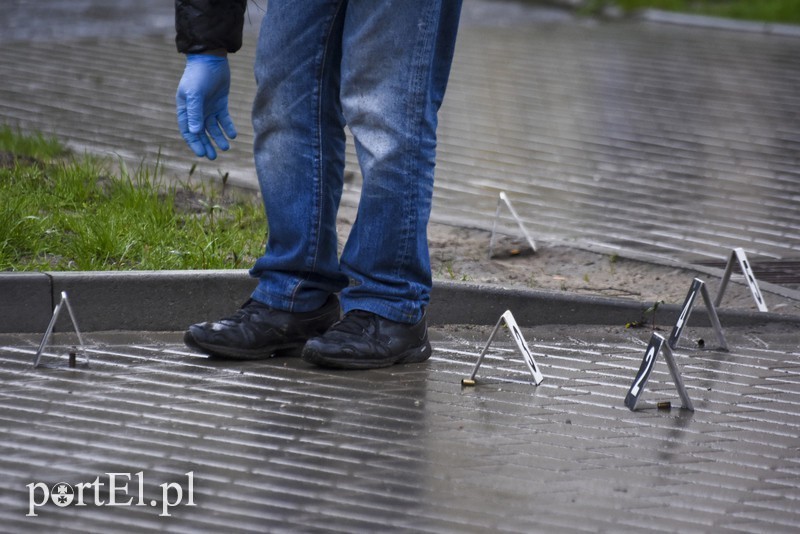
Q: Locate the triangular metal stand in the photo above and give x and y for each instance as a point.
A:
(657, 344)
(64, 302)
(739, 255)
(698, 286)
(508, 318)
(504, 199)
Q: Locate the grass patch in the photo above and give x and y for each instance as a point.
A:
(15, 145)
(64, 212)
(781, 11)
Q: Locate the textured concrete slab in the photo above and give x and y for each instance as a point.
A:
(59, 20)
(278, 445)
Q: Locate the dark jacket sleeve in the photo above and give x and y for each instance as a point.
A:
(209, 24)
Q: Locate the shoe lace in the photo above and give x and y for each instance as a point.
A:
(354, 322)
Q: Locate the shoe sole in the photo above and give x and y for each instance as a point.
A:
(345, 361)
(229, 353)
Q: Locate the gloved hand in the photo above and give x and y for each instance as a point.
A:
(202, 104)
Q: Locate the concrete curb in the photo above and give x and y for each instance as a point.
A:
(130, 300)
(171, 300)
(683, 19)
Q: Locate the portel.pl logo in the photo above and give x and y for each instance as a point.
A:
(111, 492)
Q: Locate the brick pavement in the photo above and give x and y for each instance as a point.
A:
(281, 446)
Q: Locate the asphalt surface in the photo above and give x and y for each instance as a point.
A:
(673, 143)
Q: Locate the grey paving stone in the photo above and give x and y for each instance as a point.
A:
(303, 448)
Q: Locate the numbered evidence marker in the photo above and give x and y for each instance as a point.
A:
(63, 303)
(522, 346)
(504, 199)
(739, 255)
(698, 286)
(657, 344)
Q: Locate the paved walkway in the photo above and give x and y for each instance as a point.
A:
(279, 446)
(657, 141)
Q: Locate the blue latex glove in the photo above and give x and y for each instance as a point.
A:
(202, 104)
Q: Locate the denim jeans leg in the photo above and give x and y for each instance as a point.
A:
(299, 151)
(396, 59)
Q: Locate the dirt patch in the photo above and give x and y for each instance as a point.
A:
(9, 160)
(461, 254)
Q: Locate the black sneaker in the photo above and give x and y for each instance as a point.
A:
(363, 340)
(258, 331)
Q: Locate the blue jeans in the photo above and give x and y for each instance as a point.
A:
(381, 68)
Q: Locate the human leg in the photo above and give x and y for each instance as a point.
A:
(395, 65)
(299, 151)
(299, 154)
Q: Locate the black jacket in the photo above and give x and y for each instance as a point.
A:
(209, 24)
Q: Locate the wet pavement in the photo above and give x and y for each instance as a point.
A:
(281, 446)
(664, 142)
